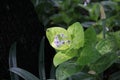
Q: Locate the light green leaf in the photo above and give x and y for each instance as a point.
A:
(90, 37)
(88, 55)
(77, 34)
(58, 38)
(104, 62)
(67, 69)
(23, 73)
(61, 57)
(106, 45)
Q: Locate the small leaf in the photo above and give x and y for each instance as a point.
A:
(23, 73)
(61, 57)
(58, 38)
(67, 69)
(104, 62)
(106, 45)
(94, 11)
(88, 55)
(77, 34)
(66, 18)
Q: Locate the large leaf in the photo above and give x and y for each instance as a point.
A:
(58, 38)
(104, 62)
(23, 73)
(90, 37)
(61, 57)
(106, 45)
(77, 34)
(88, 55)
(67, 69)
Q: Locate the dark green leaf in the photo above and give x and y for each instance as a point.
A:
(67, 69)
(82, 76)
(94, 12)
(90, 37)
(23, 73)
(88, 55)
(104, 62)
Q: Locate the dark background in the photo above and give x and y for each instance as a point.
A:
(19, 23)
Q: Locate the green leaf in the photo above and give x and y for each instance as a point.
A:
(58, 38)
(67, 69)
(77, 34)
(66, 18)
(90, 37)
(94, 11)
(23, 73)
(88, 55)
(106, 45)
(104, 62)
(116, 0)
(117, 37)
(61, 57)
(82, 76)
(57, 18)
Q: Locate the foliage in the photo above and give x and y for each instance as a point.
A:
(87, 41)
(84, 50)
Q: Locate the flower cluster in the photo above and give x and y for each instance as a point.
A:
(60, 40)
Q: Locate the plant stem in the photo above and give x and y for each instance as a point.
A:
(13, 61)
(41, 61)
(104, 28)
